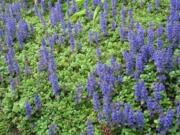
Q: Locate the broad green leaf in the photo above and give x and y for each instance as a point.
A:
(95, 14)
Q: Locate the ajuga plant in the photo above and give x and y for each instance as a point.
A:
(95, 67)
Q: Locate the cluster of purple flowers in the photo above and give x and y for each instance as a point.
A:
(56, 16)
(28, 107)
(129, 62)
(123, 115)
(12, 64)
(10, 28)
(93, 37)
(90, 128)
(27, 69)
(87, 10)
(163, 59)
(43, 61)
(47, 63)
(96, 3)
(157, 89)
(52, 75)
(22, 32)
(37, 102)
(91, 84)
(165, 121)
(153, 106)
(103, 23)
(39, 14)
(113, 7)
(141, 92)
(173, 27)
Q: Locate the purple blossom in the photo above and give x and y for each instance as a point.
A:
(131, 20)
(74, 7)
(103, 23)
(72, 43)
(54, 84)
(86, 7)
(78, 94)
(165, 121)
(90, 128)
(107, 108)
(13, 67)
(49, 5)
(91, 84)
(12, 84)
(27, 69)
(105, 7)
(114, 64)
(77, 28)
(96, 103)
(159, 44)
(106, 78)
(96, 37)
(139, 63)
(9, 40)
(173, 4)
(22, 32)
(52, 129)
(150, 35)
(43, 61)
(157, 88)
(140, 35)
(28, 109)
(98, 53)
(129, 61)
(133, 40)
(161, 77)
(141, 92)
(123, 14)
(153, 106)
(119, 79)
(123, 33)
(139, 119)
(69, 27)
(10, 26)
(37, 102)
(51, 63)
(149, 8)
(43, 6)
(113, 25)
(96, 2)
(90, 37)
(39, 14)
(61, 40)
(117, 115)
(131, 118)
(160, 31)
(163, 59)
(169, 31)
(157, 4)
(113, 6)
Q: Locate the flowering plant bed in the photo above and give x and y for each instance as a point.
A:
(100, 67)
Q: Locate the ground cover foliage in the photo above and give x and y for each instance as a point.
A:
(100, 67)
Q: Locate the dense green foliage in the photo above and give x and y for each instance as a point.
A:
(73, 69)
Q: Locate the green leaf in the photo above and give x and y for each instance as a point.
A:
(95, 14)
(77, 15)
